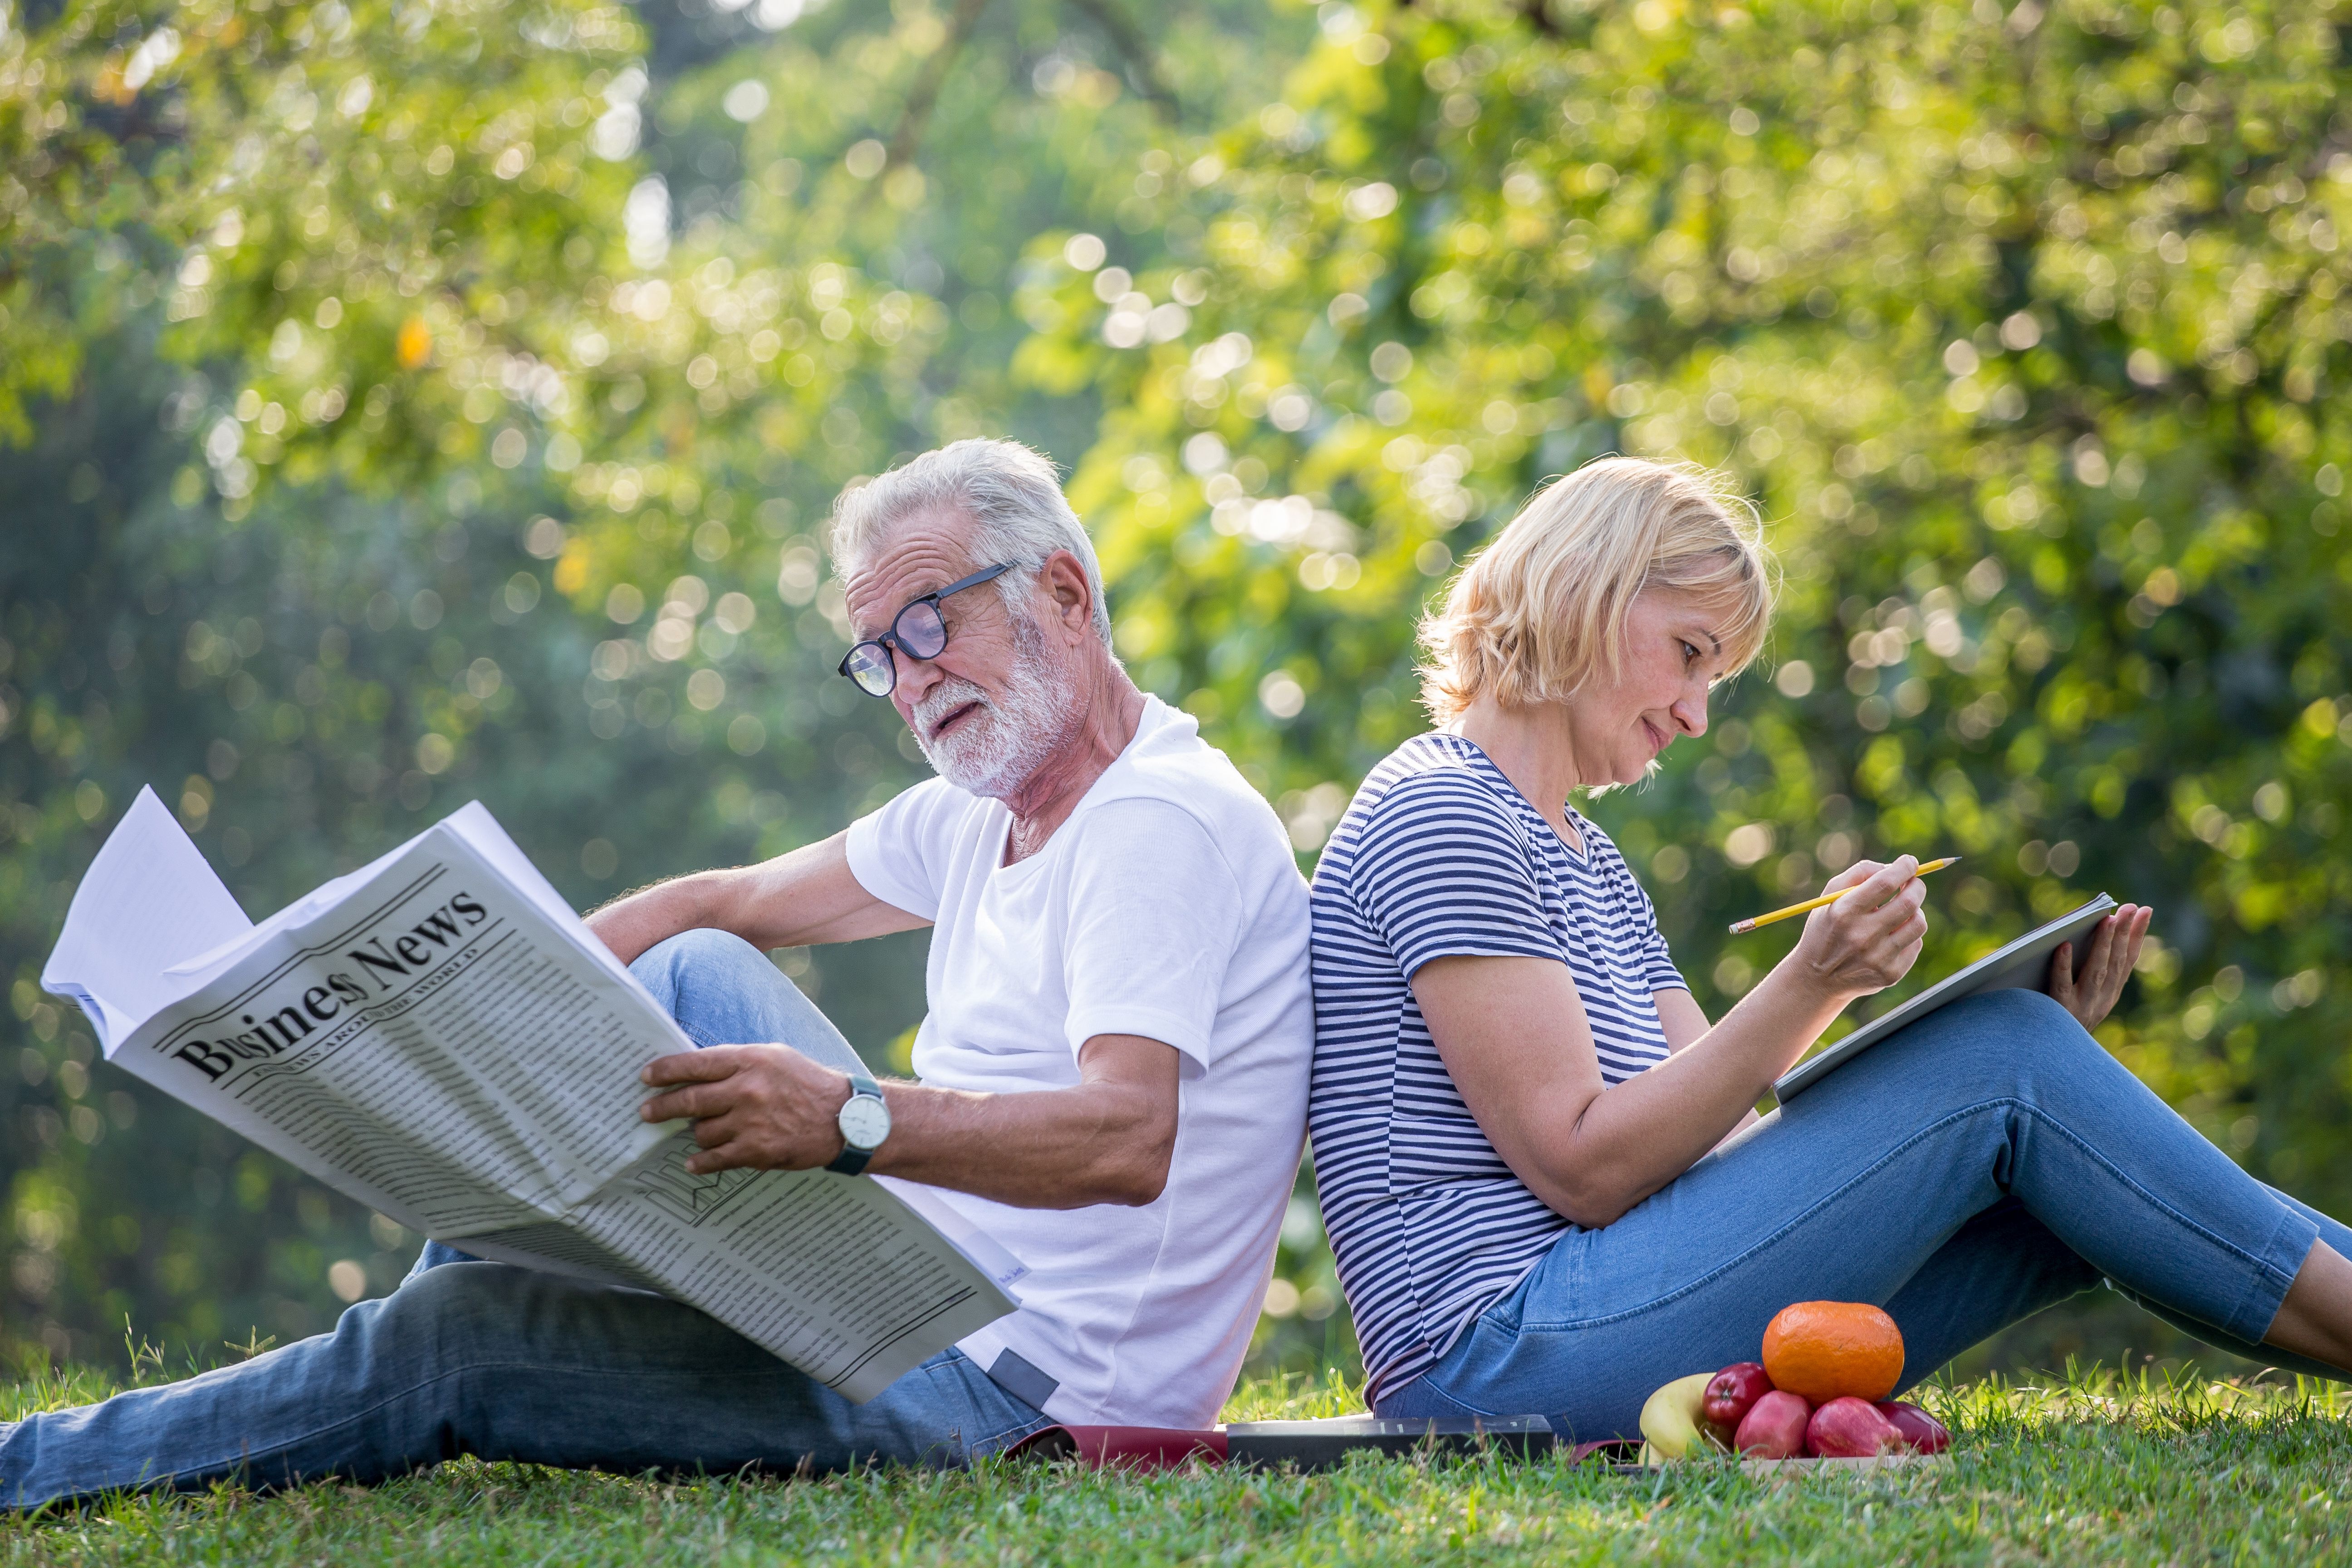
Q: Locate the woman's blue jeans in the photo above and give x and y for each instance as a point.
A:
(509, 1363)
(1984, 1164)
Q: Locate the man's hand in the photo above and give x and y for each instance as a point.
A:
(1110, 1138)
(2114, 950)
(765, 1107)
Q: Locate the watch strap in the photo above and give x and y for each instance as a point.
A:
(852, 1160)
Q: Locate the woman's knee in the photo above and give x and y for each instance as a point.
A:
(2014, 1038)
(2022, 1016)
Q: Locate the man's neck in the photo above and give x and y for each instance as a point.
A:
(1111, 710)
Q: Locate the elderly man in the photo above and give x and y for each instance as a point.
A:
(1112, 1075)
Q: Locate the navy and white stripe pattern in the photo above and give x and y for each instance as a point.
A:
(1439, 855)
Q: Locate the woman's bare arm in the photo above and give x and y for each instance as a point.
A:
(1680, 1017)
(1514, 1034)
(1685, 1023)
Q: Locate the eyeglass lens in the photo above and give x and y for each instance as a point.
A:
(921, 633)
(869, 666)
(920, 630)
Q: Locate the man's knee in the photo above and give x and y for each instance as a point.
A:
(443, 1314)
(670, 968)
(722, 991)
(699, 949)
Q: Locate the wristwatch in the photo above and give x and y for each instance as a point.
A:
(865, 1121)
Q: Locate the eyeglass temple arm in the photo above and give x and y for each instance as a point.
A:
(892, 644)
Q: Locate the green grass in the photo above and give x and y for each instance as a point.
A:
(2088, 1468)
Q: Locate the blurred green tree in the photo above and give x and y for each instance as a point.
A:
(423, 400)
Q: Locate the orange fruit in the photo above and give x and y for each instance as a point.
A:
(1825, 1349)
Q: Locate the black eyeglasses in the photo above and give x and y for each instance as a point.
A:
(918, 632)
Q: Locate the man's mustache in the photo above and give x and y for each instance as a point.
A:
(945, 699)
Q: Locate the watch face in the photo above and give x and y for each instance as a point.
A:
(865, 1121)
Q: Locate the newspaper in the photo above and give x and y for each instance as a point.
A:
(439, 1037)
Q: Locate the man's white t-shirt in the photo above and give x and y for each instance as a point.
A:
(1167, 905)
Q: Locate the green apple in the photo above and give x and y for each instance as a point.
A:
(1674, 1418)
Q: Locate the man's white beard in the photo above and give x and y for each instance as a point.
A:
(994, 752)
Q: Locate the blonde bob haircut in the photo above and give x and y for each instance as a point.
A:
(1541, 610)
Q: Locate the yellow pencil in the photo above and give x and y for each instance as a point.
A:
(1742, 928)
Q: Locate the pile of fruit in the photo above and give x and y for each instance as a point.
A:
(1819, 1392)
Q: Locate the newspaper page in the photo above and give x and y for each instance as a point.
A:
(438, 1036)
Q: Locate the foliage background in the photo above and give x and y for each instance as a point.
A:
(406, 403)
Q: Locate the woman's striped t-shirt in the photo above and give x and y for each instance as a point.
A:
(1439, 855)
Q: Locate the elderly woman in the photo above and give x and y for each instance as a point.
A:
(1533, 1147)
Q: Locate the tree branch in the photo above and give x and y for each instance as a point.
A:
(925, 91)
(1142, 58)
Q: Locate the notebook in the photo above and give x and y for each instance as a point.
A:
(2023, 964)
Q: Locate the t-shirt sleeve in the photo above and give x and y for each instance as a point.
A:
(1154, 915)
(1440, 873)
(899, 853)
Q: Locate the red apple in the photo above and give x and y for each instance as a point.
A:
(1848, 1427)
(1775, 1427)
(1922, 1431)
(1734, 1391)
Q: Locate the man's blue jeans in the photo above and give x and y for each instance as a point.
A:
(509, 1363)
(1982, 1164)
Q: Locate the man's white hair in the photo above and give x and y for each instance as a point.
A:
(1010, 492)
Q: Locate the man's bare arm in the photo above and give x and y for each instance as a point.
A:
(1108, 1139)
(806, 896)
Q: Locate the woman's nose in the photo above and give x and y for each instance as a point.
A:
(1691, 713)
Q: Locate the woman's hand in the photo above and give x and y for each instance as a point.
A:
(2114, 951)
(1868, 939)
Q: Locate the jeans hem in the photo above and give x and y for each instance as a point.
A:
(2281, 1260)
(989, 1447)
